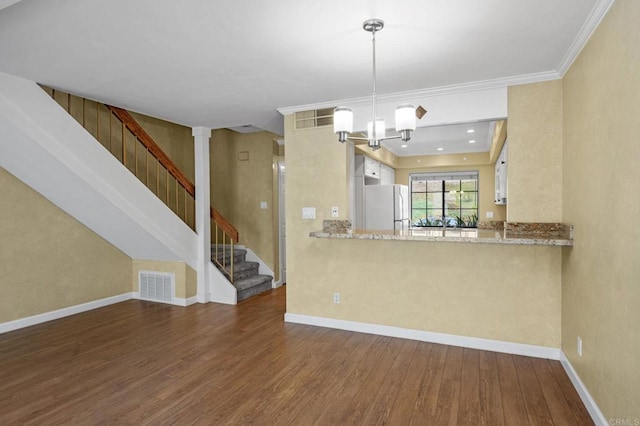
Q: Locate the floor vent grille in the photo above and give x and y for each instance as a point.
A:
(156, 286)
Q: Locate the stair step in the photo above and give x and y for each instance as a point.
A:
(227, 251)
(246, 278)
(252, 286)
(239, 255)
(244, 270)
(243, 266)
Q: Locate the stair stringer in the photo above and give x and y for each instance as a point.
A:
(43, 146)
(222, 291)
(263, 268)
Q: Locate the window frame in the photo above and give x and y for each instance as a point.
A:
(444, 177)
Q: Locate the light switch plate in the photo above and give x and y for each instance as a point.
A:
(489, 215)
(308, 212)
(263, 205)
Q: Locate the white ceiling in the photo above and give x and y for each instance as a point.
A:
(230, 63)
(449, 139)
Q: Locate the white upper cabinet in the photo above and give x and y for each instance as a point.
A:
(387, 175)
(367, 167)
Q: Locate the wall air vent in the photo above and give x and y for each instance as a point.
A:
(314, 118)
(156, 286)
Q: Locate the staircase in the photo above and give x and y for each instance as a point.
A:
(246, 277)
(127, 142)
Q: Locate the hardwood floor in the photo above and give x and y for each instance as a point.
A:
(144, 363)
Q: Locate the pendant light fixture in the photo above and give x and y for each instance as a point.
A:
(405, 114)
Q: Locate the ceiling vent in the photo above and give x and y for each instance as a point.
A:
(247, 128)
(314, 118)
(156, 286)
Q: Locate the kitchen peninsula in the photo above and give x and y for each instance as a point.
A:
(496, 290)
(507, 233)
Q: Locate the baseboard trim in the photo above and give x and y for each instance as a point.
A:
(428, 336)
(594, 411)
(180, 301)
(177, 301)
(224, 300)
(61, 313)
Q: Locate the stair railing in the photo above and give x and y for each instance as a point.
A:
(126, 140)
(224, 235)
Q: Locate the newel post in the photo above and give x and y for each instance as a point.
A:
(201, 137)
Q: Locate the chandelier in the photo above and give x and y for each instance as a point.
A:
(405, 114)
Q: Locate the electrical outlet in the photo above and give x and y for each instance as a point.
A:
(489, 215)
(336, 298)
(334, 212)
(579, 346)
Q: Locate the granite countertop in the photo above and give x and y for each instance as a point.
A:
(529, 234)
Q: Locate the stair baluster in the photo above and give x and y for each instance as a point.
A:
(245, 275)
(221, 227)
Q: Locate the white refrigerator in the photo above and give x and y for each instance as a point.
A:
(386, 207)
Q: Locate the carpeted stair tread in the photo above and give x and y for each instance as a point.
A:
(253, 286)
(245, 270)
(239, 256)
(227, 249)
(246, 277)
(252, 281)
(227, 252)
(243, 266)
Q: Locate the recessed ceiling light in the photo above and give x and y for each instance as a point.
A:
(404, 145)
(472, 141)
(440, 149)
(470, 131)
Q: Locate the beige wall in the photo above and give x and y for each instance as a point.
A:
(601, 273)
(185, 276)
(175, 140)
(496, 292)
(317, 177)
(48, 260)
(238, 187)
(534, 156)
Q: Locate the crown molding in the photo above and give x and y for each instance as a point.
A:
(497, 83)
(595, 17)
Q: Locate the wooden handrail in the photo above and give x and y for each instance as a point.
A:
(154, 149)
(151, 146)
(224, 224)
(172, 168)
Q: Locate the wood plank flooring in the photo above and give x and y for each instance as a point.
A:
(144, 363)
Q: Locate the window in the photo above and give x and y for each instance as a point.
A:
(453, 196)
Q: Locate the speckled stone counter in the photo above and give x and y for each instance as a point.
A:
(560, 235)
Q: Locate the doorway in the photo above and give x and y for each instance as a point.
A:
(282, 223)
